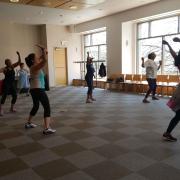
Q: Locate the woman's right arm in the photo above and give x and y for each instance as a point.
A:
(43, 57)
(173, 53)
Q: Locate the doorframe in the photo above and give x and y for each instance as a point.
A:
(55, 49)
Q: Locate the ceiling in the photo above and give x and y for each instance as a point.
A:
(62, 4)
(38, 13)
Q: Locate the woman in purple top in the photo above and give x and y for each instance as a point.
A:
(167, 135)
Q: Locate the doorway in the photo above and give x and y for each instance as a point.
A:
(60, 66)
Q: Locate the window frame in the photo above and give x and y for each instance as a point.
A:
(151, 37)
(91, 45)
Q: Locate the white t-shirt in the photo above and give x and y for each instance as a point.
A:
(151, 69)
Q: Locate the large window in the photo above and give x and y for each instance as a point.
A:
(95, 44)
(150, 36)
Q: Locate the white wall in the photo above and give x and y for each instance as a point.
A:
(128, 48)
(55, 35)
(15, 37)
(113, 24)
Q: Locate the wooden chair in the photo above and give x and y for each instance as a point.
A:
(128, 84)
(172, 82)
(137, 84)
(144, 83)
(162, 81)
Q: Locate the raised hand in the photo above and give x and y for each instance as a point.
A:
(17, 52)
(142, 58)
(165, 42)
(160, 62)
(176, 39)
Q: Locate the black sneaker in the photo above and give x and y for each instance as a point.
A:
(155, 98)
(145, 101)
(169, 137)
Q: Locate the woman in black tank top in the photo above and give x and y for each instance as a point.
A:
(9, 83)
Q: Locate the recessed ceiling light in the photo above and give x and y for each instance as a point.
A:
(14, 1)
(73, 7)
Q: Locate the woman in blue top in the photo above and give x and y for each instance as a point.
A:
(89, 79)
(37, 89)
(23, 82)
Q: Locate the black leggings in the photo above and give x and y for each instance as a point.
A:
(89, 82)
(174, 122)
(9, 88)
(39, 95)
(152, 87)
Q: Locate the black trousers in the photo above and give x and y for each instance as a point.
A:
(174, 122)
(39, 95)
(9, 88)
(89, 82)
(152, 87)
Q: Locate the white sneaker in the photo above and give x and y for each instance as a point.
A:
(30, 125)
(49, 131)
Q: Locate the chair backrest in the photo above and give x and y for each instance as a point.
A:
(129, 77)
(113, 76)
(143, 77)
(162, 78)
(136, 77)
(173, 78)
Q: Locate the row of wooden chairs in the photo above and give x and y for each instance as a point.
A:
(137, 83)
(140, 77)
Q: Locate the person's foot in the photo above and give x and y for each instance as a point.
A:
(155, 98)
(88, 101)
(145, 101)
(176, 39)
(49, 131)
(169, 137)
(30, 125)
(93, 99)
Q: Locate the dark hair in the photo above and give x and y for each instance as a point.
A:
(30, 59)
(151, 55)
(6, 61)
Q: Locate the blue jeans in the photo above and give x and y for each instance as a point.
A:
(152, 87)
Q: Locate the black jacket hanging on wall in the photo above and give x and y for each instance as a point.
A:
(102, 70)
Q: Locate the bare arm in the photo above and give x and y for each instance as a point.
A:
(173, 53)
(160, 63)
(142, 65)
(44, 60)
(19, 60)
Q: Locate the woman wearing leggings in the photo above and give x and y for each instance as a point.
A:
(37, 90)
(9, 86)
(167, 135)
(89, 79)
